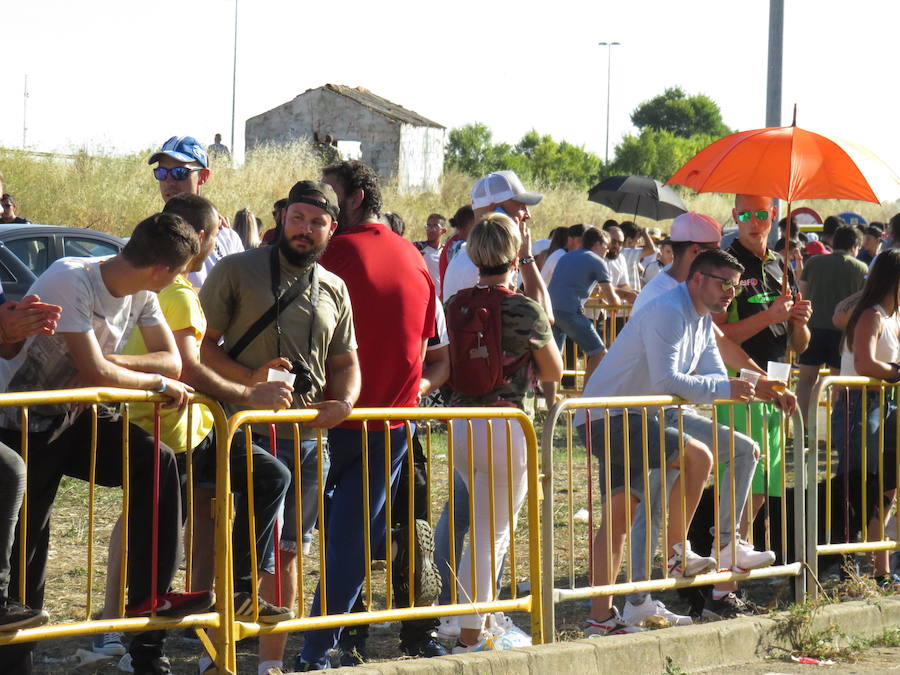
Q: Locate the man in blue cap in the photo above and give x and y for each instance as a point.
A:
(182, 165)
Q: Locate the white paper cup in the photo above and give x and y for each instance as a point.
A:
(750, 376)
(776, 370)
(276, 375)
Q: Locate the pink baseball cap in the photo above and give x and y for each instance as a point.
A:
(695, 227)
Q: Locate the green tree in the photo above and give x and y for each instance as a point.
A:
(683, 115)
(657, 154)
(469, 149)
(534, 158)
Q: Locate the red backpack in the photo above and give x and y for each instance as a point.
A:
(475, 328)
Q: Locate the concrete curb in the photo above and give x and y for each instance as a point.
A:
(692, 648)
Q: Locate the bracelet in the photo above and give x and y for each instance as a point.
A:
(525, 261)
(162, 384)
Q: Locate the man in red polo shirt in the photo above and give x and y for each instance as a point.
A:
(393, 303)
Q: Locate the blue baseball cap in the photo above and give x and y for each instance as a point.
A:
(184, 149)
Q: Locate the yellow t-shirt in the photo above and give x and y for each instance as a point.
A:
(181, 307)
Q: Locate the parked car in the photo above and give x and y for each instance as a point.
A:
(26, 250)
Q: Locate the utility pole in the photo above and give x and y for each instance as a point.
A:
(776, 54)
(609, 46)
(234, 75)
(25, 114)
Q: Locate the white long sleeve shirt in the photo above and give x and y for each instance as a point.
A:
(665, 349)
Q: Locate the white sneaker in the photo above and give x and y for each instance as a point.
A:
(745, 558)
(690, 564)
(635, 614)
(614, 625)
(485, 644)
(498, 623)
(125, 664)
(449, 628)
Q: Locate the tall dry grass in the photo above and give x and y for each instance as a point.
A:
(113, 193)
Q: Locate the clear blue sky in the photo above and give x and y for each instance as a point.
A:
(127, 75)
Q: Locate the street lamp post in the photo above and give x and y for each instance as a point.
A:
(609, 46)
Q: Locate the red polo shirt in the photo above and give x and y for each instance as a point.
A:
(393, 298)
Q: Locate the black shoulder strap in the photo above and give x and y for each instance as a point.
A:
(282, 300)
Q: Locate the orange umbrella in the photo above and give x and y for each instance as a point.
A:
(787, 163)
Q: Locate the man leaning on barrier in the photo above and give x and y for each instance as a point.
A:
(310, 332)
(102, 300)
(669, 348)
(691, 234)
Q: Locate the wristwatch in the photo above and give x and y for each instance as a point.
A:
(525, 261)
(162, 384)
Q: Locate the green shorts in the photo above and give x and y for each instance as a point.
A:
(758, 410)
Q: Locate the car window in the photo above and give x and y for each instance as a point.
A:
(32, 251)
(6, 276)
(85, 247)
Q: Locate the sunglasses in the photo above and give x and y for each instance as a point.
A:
(727, 284)
(178, 173)
(744, 216)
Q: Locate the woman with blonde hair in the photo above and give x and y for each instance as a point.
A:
(528, 350)
(247, 228)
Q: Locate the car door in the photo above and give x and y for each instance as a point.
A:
(86, 246)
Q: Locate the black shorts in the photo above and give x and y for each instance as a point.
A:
(824, 348)
(637, 470)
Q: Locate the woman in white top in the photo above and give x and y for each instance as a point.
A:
(871, 349)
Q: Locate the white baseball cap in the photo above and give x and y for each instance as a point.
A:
(695, 227)
(501, 186)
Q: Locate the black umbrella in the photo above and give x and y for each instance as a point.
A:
(639, 196)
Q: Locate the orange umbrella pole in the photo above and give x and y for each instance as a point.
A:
(786, 251)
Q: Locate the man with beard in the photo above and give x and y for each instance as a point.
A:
(311, 333)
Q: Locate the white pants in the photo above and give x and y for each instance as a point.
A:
(506, 479)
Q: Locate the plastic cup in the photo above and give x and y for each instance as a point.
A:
(775, 370)
(276, 375)
(750, 376)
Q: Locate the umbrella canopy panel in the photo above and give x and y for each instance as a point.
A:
(784, 162)
(639, 196)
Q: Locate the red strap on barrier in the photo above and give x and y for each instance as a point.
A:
(276, 528)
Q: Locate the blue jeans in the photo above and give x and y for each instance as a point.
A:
(309, 492)
(446, 567)
(344, 545)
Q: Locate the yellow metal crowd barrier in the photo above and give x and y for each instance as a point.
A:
(566, 465)
(392, 609)
(91, 399)
(523, 556)
(857, 464)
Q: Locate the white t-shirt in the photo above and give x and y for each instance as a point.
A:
(44, 362)
(632, 258)
(432, 257)
(540, 245)
(658, 285)
(550, 264)
(227, 242)
(461, 273)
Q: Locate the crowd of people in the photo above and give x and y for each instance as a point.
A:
(333, 309)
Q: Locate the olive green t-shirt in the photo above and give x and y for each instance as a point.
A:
(238, 291)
